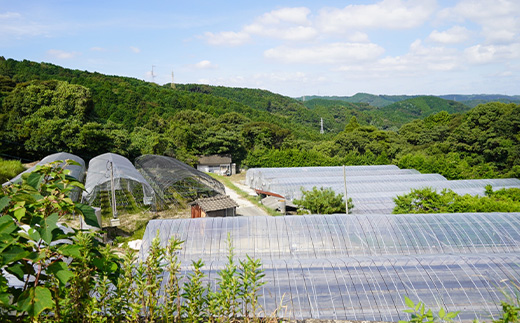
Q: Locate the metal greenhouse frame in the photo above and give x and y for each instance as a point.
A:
(175, 182)
(113, 182)
(359, 267)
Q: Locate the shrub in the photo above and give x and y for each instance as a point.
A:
(427, 200)
(323, 201)
(9, 169)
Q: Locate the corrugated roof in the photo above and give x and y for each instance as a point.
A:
(214, 160)
(219, 202)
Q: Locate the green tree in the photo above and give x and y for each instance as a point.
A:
(323, 201)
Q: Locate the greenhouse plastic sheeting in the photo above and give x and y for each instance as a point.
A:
(340, 235)
(129, 183)
(255, 177)
(78, 172)
(372, 188)
(470, 186)
(360, 267)
(373, 288)
(171, 178)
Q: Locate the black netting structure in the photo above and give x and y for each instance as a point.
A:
(131, 192)
(372, 188)
(359, 267)
(76, 171)
(175, 182)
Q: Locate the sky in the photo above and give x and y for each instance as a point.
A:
(293, 48)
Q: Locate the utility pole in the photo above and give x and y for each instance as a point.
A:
(345, 180)
(153, 75)
(114, 221)
(173, 83)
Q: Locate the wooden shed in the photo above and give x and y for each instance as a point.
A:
(216, 206)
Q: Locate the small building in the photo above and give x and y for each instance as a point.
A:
(218, 164)
(216, 206)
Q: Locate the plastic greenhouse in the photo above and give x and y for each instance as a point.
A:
(358, 267)
(176, 182)
(76, 171)
(372, 188)
(130, 192)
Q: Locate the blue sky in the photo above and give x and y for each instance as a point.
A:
(289, 47)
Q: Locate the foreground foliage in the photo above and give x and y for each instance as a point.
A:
(59, 274)
(427, 200)
(34, 247)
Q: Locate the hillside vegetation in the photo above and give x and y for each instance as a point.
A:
(45, 108)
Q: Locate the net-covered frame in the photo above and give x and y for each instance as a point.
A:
(360, 267)
(132, 191)
(175, 182)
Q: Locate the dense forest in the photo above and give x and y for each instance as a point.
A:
(45, 108)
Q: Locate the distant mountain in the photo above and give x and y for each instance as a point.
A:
(399, 113)
(475, 99)
(374, 100)
(380, 101)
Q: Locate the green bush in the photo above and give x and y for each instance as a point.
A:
(427, 200)
(9, 169)
(322, 201)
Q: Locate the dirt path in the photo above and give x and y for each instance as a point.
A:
(245, 208)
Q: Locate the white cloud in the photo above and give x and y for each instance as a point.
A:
(227, 38)
(482, 54)
(10, 15)
(284, 23)
(454, 35)
(297, 33)
(388, 14)
(282, 77)
(136, 50)
(98, 49)
(498, 19)
(418, 60)
(205, 65)
(357, 37)
(60, 54)
(333, 53)
(296, 16)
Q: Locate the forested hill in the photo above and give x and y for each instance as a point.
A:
(397, 114)
(45, 109)
(132, 102)
(391, 116)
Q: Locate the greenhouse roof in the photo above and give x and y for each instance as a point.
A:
(170, 177)
(372, 188)
(78, 172)
(358, 267)
(99, 174)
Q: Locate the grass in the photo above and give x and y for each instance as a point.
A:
(9, 169)
(227, 182)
